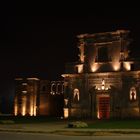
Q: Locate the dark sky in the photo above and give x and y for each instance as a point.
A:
(40, 43)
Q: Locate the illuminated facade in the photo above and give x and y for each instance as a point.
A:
(36, 97)
(105, 82)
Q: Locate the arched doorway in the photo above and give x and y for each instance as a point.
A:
(101, 100)
(103, 105)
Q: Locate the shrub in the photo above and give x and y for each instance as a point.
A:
(77, 124)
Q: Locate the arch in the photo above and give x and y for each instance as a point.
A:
(76, 94)
(53, 88)
(133, 94)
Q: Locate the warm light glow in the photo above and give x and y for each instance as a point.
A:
(127, 66)
(24, 91)
(23, 105)
(98, 115)
(16, 107)
(33, 79)
(103, 87)
(31, 111)
(116, 66)
(80, 68)
(65, 75)
(66, 102)
(103, 82)
(31, 106)
(34, 106)
(106, 88)
(66, 113)
(81, 55)
(76, 93)
(34, 110)
(23, 111)
(82, 58)
(94, 67)
(133, 94)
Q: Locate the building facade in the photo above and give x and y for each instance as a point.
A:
(35, 97)
(105, 82)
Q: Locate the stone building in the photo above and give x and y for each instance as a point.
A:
(105, 82)
(35, 97)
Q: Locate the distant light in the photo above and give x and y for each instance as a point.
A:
(66, 113)
(127, 66)
(35, 110)
(52, 93)
(98, 114)
(16, 107)
(116, 66)
(23, 111)
(103, 87)
(15, 110)
(94, 67)
(33, 79)
(24, 105)
(31, 111)
(80, 68)
(106, 88)
(24, 91)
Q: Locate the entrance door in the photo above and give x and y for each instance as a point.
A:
(104, 107)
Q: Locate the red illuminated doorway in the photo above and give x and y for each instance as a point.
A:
(104, 108)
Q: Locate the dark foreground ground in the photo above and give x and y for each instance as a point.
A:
(95, 124)
(44, 125)
(33, 136)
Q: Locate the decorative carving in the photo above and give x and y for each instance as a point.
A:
(81, 55)
(102, 86)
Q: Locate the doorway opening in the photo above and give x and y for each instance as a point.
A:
(103, 107)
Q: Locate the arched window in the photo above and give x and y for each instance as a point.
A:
(53, 88)
(133, 94)
(76, 95)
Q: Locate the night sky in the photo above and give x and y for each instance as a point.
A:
(39, 44)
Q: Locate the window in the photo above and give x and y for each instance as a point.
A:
(76, 96)
(103, 54)
(133, 94)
